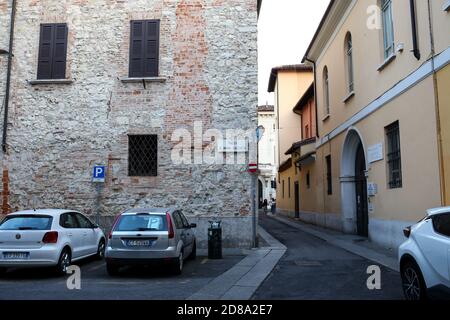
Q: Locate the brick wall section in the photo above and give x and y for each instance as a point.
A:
(58, 132)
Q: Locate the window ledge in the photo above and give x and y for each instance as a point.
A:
(147, 79)
(50, 81)
(326, 118)
(387, 62)
(349, 97)
(446, 6)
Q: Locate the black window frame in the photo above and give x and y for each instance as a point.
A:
(394, 156)
(54, 71)
(329, 175)
(142, 55)
(144, 164)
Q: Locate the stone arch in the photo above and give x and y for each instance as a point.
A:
(348, 187)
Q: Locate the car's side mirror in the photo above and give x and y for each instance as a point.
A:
(193, 225)
(95, 226)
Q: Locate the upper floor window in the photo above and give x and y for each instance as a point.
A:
(394, 157)
(388, 28)
(349, 62)
(144, 49)
(52, 51)
(326, 90)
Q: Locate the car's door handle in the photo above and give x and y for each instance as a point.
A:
(70, 234)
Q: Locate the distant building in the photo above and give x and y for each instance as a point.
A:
(268, 153)
(288, 83)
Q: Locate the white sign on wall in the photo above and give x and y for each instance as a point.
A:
(232, 145)
(372, 189)
(375, 153)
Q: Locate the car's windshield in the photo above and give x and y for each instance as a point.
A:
(28, 222)
(142, 223)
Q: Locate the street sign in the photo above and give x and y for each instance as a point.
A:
(99, 174)
(252, 167)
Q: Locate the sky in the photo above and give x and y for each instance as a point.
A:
(285, 29)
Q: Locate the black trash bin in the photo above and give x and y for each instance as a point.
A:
(215, 240)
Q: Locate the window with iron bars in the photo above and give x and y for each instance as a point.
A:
(143, 155)
(394, 157)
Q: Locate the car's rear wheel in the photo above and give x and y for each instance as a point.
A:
(112, 269)
(414, 287)
(64, 262)
(101, 249)
(193, 254)
(178, 267)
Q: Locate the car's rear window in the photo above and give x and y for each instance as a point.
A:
(28, 222)
(142, 223)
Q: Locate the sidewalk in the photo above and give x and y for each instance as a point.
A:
(354, 244)
(241, 281)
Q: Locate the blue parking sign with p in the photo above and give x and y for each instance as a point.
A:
(99, 174)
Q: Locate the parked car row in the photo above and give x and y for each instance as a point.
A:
(57, 238)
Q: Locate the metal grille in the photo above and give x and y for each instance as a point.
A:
(394, 156)
(143, 155)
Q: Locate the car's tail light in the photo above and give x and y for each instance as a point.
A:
(170, 226)
(116, 220)
(50, 237)
(407, 232)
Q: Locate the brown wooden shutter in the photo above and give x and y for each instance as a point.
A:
(137, 49)
(144, 48)
(52, 51)
(151, 48)
(59, 52)
(45, 52)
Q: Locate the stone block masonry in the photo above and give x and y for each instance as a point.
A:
(58, 132)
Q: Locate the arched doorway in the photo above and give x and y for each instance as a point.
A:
(354, 185)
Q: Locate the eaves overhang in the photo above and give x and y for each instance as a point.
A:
(330, 21)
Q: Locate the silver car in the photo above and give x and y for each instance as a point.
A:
(49, 237)
(150, 236)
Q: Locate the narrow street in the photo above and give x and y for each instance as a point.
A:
(313, 269)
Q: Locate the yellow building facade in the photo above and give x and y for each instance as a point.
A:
(383, 106)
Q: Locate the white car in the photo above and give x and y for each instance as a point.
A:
(45, 238)
(425, 257)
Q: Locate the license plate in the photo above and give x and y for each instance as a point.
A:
(139, 243)
(15, 255)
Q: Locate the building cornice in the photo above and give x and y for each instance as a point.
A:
(328, 25)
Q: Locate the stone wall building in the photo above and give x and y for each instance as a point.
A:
(100, 101)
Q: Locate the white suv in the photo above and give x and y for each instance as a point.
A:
(425, 257)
